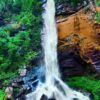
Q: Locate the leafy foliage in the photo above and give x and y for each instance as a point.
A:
(70, 1)
(1, 95)
(87, 83)
(4, 77)
(98, 3)
(15, 51)
(20, 37)
(14, 3)
(98, 17)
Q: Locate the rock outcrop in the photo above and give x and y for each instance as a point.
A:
(71, 64)
(79, 31)
(68, 7)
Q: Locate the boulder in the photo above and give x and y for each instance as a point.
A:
(28, 82)
(44, 97)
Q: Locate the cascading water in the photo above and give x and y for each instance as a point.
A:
(53, 86)
(49, 41)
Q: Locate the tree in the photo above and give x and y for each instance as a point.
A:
(20, 36)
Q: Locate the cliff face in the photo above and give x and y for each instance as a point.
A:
(80, 34)
(67, 7)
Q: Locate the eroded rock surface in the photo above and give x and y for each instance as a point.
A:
(80, 31)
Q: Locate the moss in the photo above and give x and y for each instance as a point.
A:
(87, 83)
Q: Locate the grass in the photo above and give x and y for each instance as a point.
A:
(87, 83)
(1, 94)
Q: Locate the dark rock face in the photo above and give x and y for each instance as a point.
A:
(96, 60)
(44, 97)
(67, 7)
(71, 64)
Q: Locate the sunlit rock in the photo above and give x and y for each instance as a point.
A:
(81, 31)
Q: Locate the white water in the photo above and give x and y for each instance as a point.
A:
(53, 87)
(49, 41)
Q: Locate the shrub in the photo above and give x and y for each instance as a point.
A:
(19, 45)
(98, 17)
(87, 83)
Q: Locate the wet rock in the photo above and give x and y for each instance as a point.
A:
(43, 1)
(95, 57)
(75, 99)
(22, 72)
(28, 82)
(71, 64)
(22, 98)
(44, 97)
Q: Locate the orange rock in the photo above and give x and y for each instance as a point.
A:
(83, 25)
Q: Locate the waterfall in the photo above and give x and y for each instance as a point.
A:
(49, 41)
(53, 87)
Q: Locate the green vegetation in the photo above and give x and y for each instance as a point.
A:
(98, 13)
(98, 3)
(14, 51)
(73, 2)
(20, 36)
(8, 75)
(86, 83)
(98, 17)
(1, 95)
(20, 41)
(5, 82)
